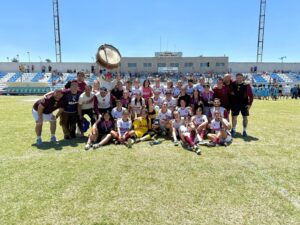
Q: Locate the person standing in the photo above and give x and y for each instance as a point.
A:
(242, 101)
(42, 111)
(70, 113)
(86, 106)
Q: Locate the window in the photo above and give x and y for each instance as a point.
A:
(161, 65)
(203, 65)
(131, 65)
(174, 64)
(188, 64)
(220, 64)
(147, 64)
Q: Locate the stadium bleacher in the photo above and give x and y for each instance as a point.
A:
(277, 77)
(15, 77)
(6, 77)
(37, 77)
(259, 79)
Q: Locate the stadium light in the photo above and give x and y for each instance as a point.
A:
(282, 58)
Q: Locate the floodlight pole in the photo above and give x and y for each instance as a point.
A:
(56, 31)
(261, 31)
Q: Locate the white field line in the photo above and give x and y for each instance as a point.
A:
(294, 200)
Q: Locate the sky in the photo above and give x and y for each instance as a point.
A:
(142, 27)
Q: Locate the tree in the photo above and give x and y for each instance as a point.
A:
(15, 60)
(48, 60)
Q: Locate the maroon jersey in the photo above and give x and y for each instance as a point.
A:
(223, 94)
(49, 103)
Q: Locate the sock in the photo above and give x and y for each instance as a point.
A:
(202, 134)
(38, 137)
(188, 140)
(245, 129)
(216, 140)
(52, 135)
(233, 128)
(147, 137)
(127, 136)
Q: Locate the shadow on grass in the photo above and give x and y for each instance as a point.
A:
(47, 145)
(246, 139)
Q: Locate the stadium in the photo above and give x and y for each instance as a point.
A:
(158, 137)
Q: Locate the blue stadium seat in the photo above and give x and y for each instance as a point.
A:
(37, 77)
(15, 77)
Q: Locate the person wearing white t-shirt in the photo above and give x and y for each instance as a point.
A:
(200, 121)
(86, 105)
(172, 102)
(157, 99)
(163, 121)
(124, 130)
(176, 123)
(158, 87)
(117, 112)
(107, 81)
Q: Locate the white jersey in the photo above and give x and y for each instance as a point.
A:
(103, 102)
(85, 101)
(217, 125)
(176, 91)
(161, 89)
(199, 87)
(124, 126)
(135, 90)
(189, 90)
(177, 124)
(109, 85)
(116, 114)
(158, 101)
(222, 111)
(164, 115)
(137, 106)
(184, 112)
(198, 120)
(172, 103)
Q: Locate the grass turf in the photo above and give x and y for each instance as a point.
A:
(253, 181)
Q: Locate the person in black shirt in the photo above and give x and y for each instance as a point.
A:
(69, 116)
(183, 95)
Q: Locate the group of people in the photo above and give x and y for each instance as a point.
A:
(272, 91)
(126, 112)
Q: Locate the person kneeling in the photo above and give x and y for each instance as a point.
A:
(101, 132)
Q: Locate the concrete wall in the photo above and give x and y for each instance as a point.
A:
(231, 66)
(139, 61)
(244, 67)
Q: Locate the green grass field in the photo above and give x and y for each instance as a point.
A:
(253, 181)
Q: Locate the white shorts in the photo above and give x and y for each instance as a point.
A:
(227, 139)
(182, 129)
(46, 117)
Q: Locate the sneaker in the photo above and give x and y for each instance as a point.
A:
(233, 133)
(39, 141)
(211, 144)
(245, 134)
(95, 146)
(176, 143)
(87, 147)
(130, 143)
(198, 151)
(115, 141)
(53, 139)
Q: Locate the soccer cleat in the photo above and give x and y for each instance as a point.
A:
(211, 144)
(53, 139)
(176, 143)
(245, 134)
(198, 151)
(95, 146)
(130, 143)
(39, 141)
(87, 147)
(233, 133)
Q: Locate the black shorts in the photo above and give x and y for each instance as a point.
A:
(236, 109)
